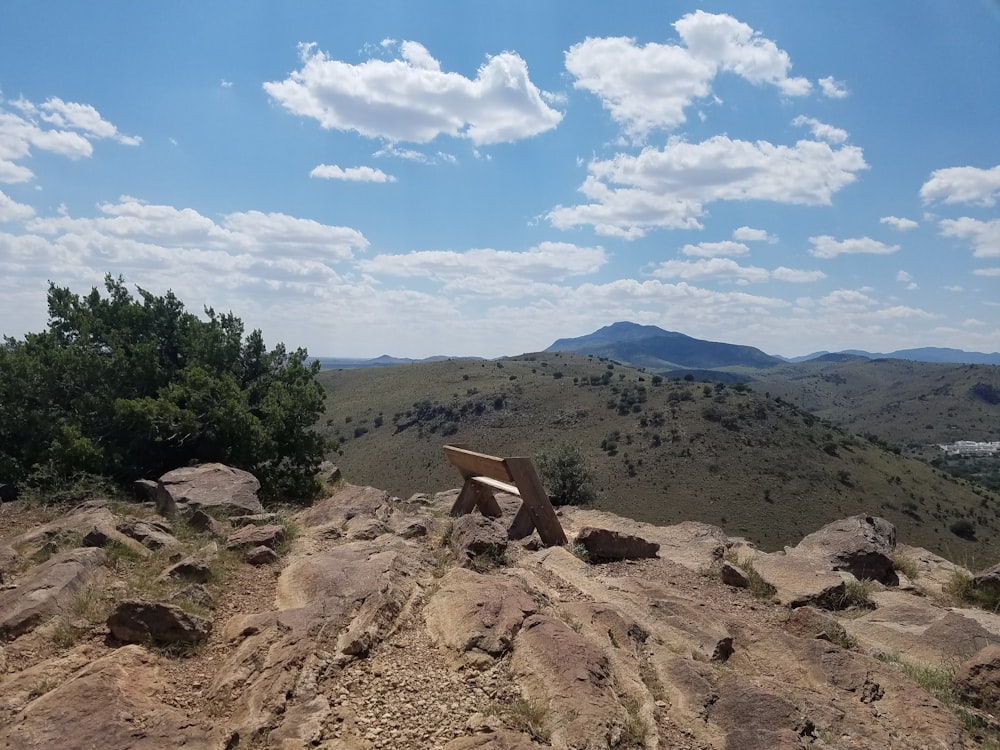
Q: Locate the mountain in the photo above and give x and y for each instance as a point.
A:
(927, 354)
(342, 363)
(656, 349)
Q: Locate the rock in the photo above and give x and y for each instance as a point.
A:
(46, 588)
(503, 739)
(862, 545)
(213, 486)
(476, 536)
(199, 520)
(473, 611)
(360, 527)
(605, 545)
(108, 703)
(978, 679)
(329, 473)
(256, 536)
(261, 556)
(66, 529)
(413, 528)
(988, 581)
(757, 719)
(733, 575)
(140, 622)
(801, 579)
(8, 492)
(146, 489)
(152, 535)
(349, 501)
(195, 594)
(809, 622)
(189, 569)
(570, 674)
(254, 519)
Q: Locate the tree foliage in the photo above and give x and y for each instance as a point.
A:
(566, 476)
(130, 387)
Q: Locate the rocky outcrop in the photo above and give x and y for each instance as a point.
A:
(154, 622)
(217, 487)
(150, 534)
(605, 545)
(47, 588)
(476, 536)
(247, 537)
(861, 545)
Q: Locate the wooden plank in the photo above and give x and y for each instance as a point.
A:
(522, 525)
(537, 502)
(474, 495)
(510, 489)
(471, 463)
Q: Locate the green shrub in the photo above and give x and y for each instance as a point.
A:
(566, 476)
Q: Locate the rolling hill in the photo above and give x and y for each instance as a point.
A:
(663, 450)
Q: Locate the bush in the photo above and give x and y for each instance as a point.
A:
(130, 388)
(964, 529)
(566, 476)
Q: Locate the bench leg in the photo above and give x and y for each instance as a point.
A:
(475, 495)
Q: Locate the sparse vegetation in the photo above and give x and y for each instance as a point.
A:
(567, 478)
(905, 564)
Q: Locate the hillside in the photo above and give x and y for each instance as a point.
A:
(663, 451)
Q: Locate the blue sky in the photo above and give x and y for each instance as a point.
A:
(421, 178)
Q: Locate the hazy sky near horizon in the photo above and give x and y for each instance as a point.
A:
(457, 178)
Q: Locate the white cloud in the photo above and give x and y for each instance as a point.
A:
(984, 236)
(649, 87)
(825, 246)
(903, 276)
(715, 249)
(796, 276)
(821, 130)
(710, 268)
(749, 234)
(987, 272)
(225, 84)
(11, 210)
(76, 125)
(669, 187)
(954, 288)
(901, 312)
(896, 222)
(411, 99)
(833, 88)
(963, 185)
(351, 174)
(510, 274)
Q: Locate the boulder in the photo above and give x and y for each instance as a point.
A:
(978, 679)
(801, 579)
(140, 622)
(606, 545)
(189, 569)
(195, 594)
(471, 611)
(254, 519)
(809, 622)
(152, 535)
(201, 521)
(261, 556)
(213, 486)
(733, 575)
(256, 536)
(46, 588)
(348, 502)
(988, 581)
(474, 535)
(329, 473)
(862, 545)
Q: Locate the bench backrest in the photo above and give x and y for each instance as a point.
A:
(473, 464)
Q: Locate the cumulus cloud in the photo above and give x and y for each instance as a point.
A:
(646, 87)
(669, 187)
(821, 130)
(11, 210)
(987, 272)
(825, 246)
(351, 174)
(715, 249)
(963, 185)
(749, 234)
(795, 275)
(728, 269)
(833, 88)
(55, 126)
(510, 273)
(897, 222)
(984, 236)
(412, 99)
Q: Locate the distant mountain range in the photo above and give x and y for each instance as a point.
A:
(335, 363)
(657, 349)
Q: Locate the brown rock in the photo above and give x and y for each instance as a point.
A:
(733, 575)
(255, 519)
(46, 588)
(802, 578)
(503, 739)
(473, 611)
(140, 622)
(329, 472)
(809, 622)
(150, 534)
(978, 679)
(213, 486)
(988, 581)
(862, 545)
(199, 520)
(256, 536)
(108, 703)
(261, 556)
(475, 535)
(757, 719)
(189, 569)
(604, 545)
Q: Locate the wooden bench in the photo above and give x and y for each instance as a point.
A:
(484, 475)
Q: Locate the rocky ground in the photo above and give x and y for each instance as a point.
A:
(377, 622)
